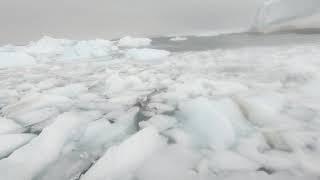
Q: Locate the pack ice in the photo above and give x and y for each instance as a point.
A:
(104, 110)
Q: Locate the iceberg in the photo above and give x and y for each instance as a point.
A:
(279, 14)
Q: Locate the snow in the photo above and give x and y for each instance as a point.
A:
(116, 84)
(134, 42)
(13, 59)
(146, 54)
(47, 45)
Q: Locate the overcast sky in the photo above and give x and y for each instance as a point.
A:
(25, 20)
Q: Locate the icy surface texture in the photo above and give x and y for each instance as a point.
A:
(225, 114)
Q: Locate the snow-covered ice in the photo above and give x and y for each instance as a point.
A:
(120, 110)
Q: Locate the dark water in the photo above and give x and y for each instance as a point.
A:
(195, 43)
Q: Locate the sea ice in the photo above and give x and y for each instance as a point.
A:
(146, 54)
(129, 41)
(178, 38)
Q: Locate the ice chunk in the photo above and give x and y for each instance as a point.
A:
(161, 122)
(64, 49)
(36, 116)
(35, 102)
(178, 136)
(160, 108)
(93, 48)
(231, 161)
(233, 112)
(97, 137)
(8, 126)
(120, 161)
(265, 110)
(7, 97)
(209, 126)
(29, 160)
(256, 149)
(24, 87)
(116, 84)
(48, 45)
(174, 162)
(48, 83)
(11, 142)
(264, 176)
(70, 91)
(147, 54)
(15, 59)
(129, 41)
(178, 38)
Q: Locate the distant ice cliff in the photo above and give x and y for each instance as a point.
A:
(279, 14)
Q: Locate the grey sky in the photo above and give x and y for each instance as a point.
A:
(25, 20)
